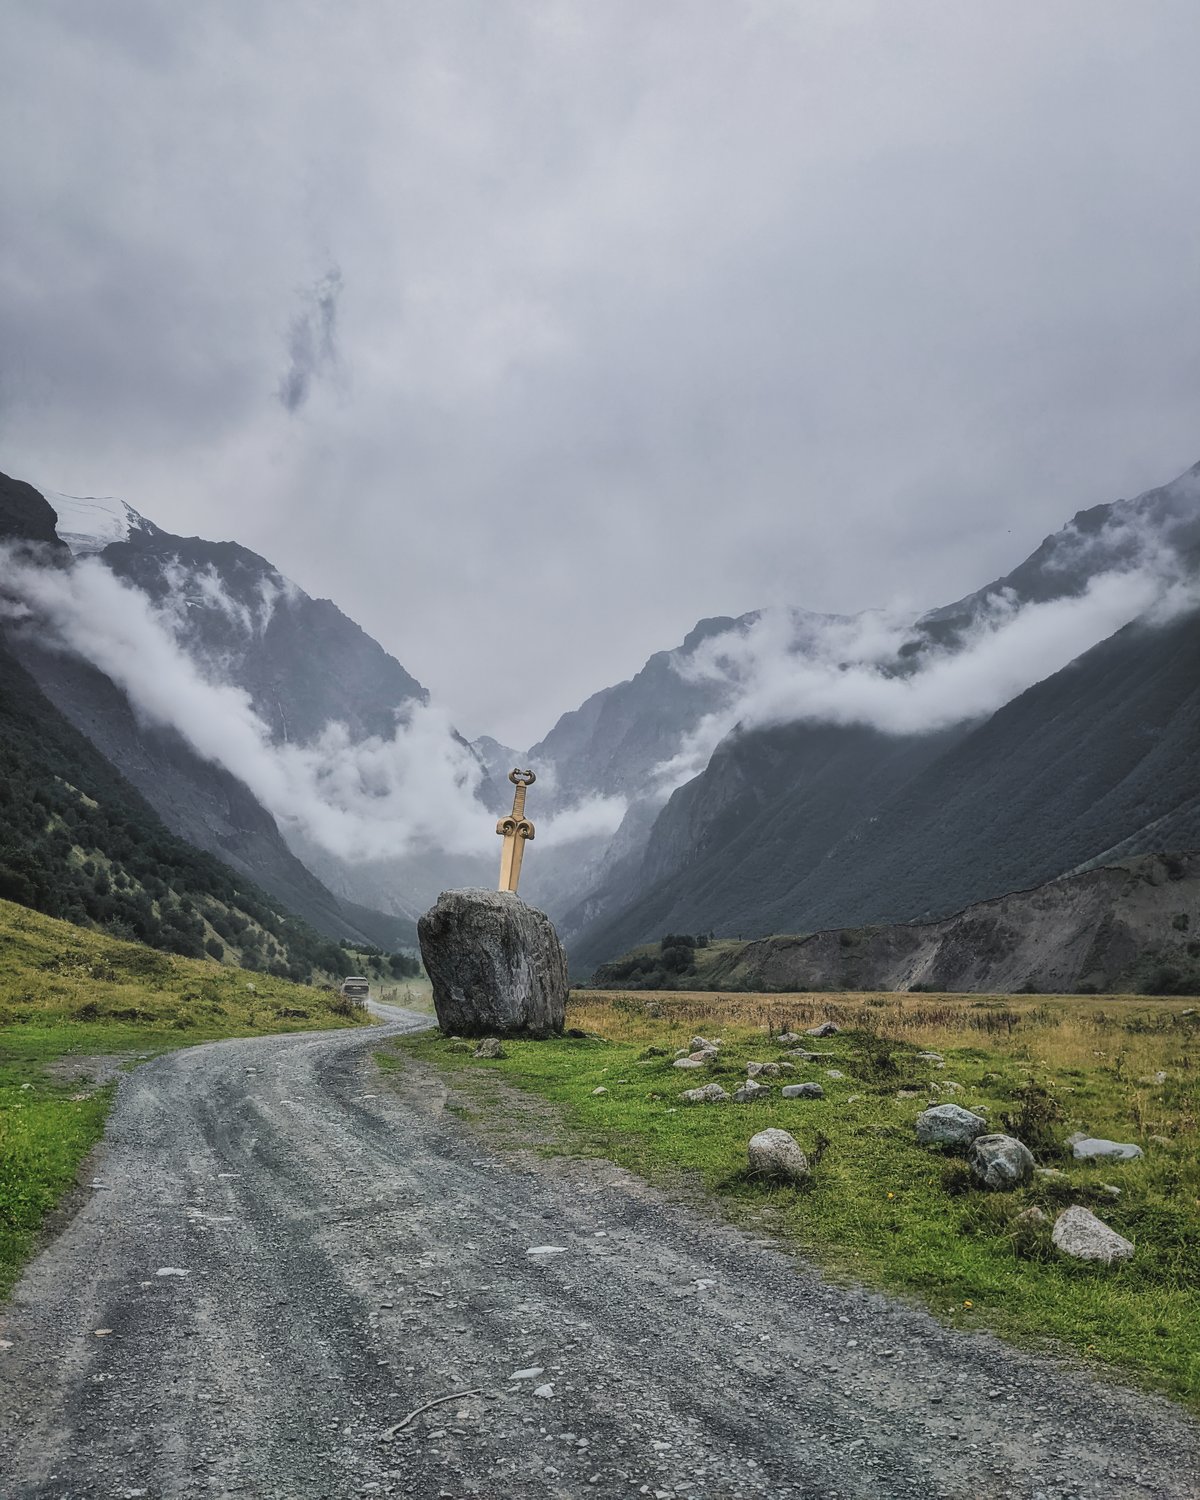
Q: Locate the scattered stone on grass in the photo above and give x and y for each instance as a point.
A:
(1092, 1149)
(833, 1073)
(1076, 1135)
(1079, 1233)
(788, 1038)
(687, 1062)
(826, 1028)
(762, 1070)
(1051, 1174)
(803, 1091)
(808, 1056)
(908, 1094)
(702, 1044)
(1000, 1162)
(949, 1125)
(1034, 1217)
(931, 1057)
(749, 1091)
(1159, 1077)
(710, 1093)
(490, 1047)
(777, 1155)
(600, 1090)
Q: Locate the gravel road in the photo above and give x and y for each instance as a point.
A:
(291, 1254)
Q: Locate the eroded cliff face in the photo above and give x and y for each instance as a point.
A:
(1129, 926)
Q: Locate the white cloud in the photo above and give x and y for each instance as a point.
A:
(793, 669)
(362, 800)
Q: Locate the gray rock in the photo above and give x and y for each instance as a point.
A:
(495, 964)
(1000, 1162)
(490, 1047)
(949, 1125)
(777, 1155)
(702, 1044)
(1051, 1174)
(933, 1057)
(688, 1062)
(808, 1056)
(803, 1091)
(788, 1038)
(833, 1073)
(1079, 1233)
(749, 1091)
(762, 1070)
(1033, 1217)
(1092, 1149)
(826, 1028)
(703, 1054)
(710, 1093)
(1077, 1135)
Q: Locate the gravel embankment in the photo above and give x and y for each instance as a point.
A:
(352, 1251)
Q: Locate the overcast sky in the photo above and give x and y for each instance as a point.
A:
(531, 333)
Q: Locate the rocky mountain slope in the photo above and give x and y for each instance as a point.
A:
(1128, 926)
(800, 827)
(197, 801)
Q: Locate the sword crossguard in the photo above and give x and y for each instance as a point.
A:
(521, 778)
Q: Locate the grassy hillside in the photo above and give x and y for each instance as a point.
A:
(879, 1208)
(75, 1008)
(78, 842)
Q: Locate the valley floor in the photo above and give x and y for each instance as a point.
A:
(290, 1253)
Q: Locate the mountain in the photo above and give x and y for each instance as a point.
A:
(1133, 926)
(796, 826)
(199, 802)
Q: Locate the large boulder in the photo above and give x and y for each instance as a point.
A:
(777, 1155)
(949, 1125)
(1079, 1233)
(1000, 1162)
(496, 965)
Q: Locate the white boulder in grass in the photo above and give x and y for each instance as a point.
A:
(949, 1125)
(711, 1093)
(1093, 1149)
(1079, 1233)
(1000, 1162)
(803, 1091)
(762, 1070)
(777, 1155)
(749, 1091)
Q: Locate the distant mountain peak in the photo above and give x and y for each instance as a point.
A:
(89, 523)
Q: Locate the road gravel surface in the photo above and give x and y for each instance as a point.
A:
(289, 1253)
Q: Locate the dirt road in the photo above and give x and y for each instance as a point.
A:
(290, 1254)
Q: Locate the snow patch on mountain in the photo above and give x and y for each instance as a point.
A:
(88, 523)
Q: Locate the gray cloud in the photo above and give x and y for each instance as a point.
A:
(658, 311)
(311, 340)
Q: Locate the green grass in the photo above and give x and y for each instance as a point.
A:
(69, 994)
(884, 1211)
